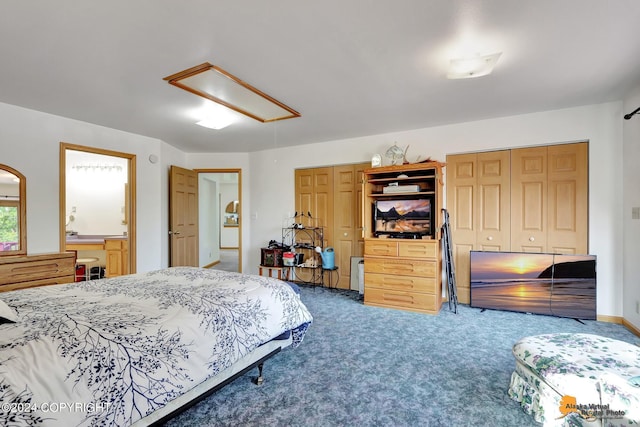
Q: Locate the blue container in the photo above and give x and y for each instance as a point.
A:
(328, 259)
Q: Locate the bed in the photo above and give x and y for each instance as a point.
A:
(133, 350)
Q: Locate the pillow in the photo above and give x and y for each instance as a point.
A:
(7, 313)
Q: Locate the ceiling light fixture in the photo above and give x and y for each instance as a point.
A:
(215, 84)
(472, 66)
(217, 117)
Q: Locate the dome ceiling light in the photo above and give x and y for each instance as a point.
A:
(472, 66)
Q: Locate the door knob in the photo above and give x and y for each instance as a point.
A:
(531, 239)
(346, 234)
(174, 232)
(490, 238)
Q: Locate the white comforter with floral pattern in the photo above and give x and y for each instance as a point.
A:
(109, 352)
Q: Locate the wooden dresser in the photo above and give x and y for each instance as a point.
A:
(26, 271)
(402, 260)
(403, 274)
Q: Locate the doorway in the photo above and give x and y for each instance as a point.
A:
(220, 218)
(97, 206)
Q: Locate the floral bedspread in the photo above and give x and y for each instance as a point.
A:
(577, 380)
(108, 352)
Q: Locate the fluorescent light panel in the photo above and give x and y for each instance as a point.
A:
(215, 84)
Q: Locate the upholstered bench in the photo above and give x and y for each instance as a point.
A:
(560, 378)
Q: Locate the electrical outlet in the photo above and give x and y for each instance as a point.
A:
(637, 307)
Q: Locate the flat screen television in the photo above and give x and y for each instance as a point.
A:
(551, 284)
(404, 218)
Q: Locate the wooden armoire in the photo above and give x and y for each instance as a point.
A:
(520, 200)
(333, 196)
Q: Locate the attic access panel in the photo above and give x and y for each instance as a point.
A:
(217, 85)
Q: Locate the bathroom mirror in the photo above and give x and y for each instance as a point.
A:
(13, 213)
(232, 207)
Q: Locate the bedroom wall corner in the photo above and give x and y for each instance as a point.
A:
(631, 178)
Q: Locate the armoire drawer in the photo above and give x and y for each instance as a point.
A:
(404, 267)
(401, 283)
(418, 249)
(381, 247)
(398, 299)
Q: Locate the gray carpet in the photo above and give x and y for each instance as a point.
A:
(368, 366)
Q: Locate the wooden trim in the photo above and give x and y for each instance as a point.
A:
(174, 80)
(620, 321)
(22, 212)
(630, 327)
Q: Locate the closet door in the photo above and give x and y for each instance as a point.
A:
(347, 219)
(550, 190)
(314, 195)
(461, 184)
(568, 192)
(529, 199)
(494, 204)
(478, 193)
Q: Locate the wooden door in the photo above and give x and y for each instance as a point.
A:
(529, 199)
(347, 220)
(568, 192)
(314, 197)
(304, 193)
(183, 217)
(494, 206)
(461, 200)
(322, 208)
(478, 198)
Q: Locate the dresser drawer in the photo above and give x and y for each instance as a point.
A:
(114, 244)
(401, 283)
(36, 270)
(39, 282)
(381, 247)
(404, 267)
(419, 249)
(399, 299)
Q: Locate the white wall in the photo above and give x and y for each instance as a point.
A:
(30, 142)
(631, 192)
(208, 220)
(272, 174)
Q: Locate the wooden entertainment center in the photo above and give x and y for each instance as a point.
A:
(403, 270)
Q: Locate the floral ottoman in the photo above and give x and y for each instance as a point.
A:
(577, 380)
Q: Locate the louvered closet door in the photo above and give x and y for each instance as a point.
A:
(568, 190)
(529, 199)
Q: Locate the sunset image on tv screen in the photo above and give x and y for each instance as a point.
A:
(554, 284)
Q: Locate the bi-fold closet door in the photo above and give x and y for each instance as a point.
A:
(521, 200)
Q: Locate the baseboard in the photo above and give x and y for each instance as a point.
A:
(630, 327)
(214, 263)
(620, 321)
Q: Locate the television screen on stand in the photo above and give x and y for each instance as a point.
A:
(409, 218)
(552, 284)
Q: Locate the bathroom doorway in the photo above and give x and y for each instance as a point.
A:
(97, 207)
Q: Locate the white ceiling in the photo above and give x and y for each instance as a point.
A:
(351, 68)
